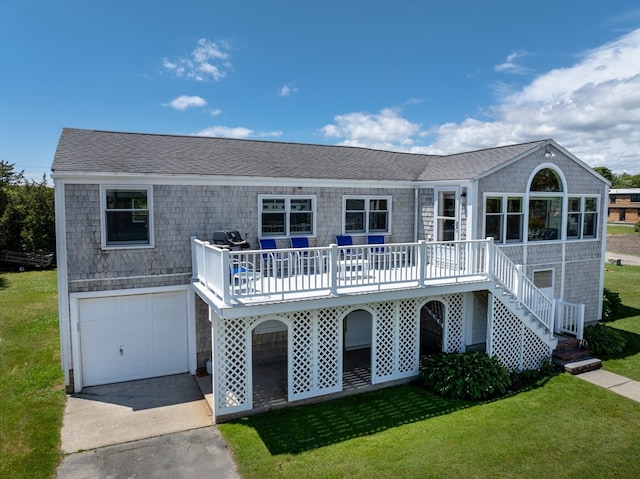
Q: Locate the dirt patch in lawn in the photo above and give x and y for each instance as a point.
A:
(624, 244)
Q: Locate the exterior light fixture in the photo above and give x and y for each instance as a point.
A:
(548, 153)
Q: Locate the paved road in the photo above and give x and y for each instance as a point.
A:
(627, 259)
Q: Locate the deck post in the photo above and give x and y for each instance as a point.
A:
(490, 257)
(333, 269)
(225, 273)
(422, 262)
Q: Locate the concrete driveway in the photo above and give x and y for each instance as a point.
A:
(160, 427)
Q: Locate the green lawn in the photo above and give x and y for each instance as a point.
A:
(32, 395)
(613, 229)
(565, 428)
(625, 280)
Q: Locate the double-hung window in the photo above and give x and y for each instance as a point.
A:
(504, 218)
(288, 215)
(366, 214)
(582, 217)
(127, 219)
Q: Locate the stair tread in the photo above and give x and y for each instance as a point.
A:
(571, 354)
(583, 365)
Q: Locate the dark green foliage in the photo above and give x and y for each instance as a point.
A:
(471, 375)
(636, 227)
(527, 377)
(601, 339)
(27, 220)
(611, 305)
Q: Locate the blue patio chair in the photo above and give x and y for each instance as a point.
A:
(376, 239)
(273, 260)
(302, 261)
(347, 240)
(243, 275)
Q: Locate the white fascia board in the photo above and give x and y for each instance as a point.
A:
(443, 183)
(198, 180)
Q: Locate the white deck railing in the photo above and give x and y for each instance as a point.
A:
(241, 277)
(570, 318)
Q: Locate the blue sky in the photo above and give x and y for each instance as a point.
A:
(424, 76)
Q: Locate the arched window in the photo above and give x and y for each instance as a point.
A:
(545, 206)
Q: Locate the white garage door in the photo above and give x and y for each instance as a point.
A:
(133, 337)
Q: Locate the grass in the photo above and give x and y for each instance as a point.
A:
(564, 427)
(32, 395)
(625, 280)
(613, 229)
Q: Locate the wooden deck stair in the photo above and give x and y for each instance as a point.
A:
(572, 358)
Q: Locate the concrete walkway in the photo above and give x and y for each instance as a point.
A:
(159, 427)
(613, 382)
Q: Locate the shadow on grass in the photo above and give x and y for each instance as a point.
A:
(298, 429)
(631, 347)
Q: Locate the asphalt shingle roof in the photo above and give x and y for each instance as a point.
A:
(91, 151)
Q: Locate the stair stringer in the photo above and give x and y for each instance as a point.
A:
(519, 340)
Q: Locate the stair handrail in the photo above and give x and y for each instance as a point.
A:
(510, 277)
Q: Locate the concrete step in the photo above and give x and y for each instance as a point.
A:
(583, 365)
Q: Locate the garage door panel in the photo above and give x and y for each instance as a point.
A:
(135, 306)
(137, 327)
(99, 331)
(165, 303)
(150, 328)
(101, 353)
(98, 308)
(169, 324)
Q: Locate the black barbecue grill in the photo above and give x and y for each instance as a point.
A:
(230, 239)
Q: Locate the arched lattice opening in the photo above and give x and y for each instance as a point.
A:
(269, 362)
(357, 330)
(432, 317)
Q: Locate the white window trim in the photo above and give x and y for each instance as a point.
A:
(103, 217)
(287, 201)
(553, 279)
(504, 197)
(366, 199)
(583, 202)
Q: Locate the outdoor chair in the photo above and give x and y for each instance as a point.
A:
(305, 260)
(243, 275)
(347, 240)
(273, 260)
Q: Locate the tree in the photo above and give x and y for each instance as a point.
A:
(606, 172)
(27, 212)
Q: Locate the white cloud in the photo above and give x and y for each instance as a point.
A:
(215, 111)
(183, 102)
(237, 132)
(510, 65)
(208, 61)
(287, 90)
(384, 130)
(592, 108)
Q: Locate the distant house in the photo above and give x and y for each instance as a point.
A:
(624, 206)
(369, 260)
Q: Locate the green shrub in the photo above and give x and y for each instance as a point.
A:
(611, 305)
(636, 227)
(472, 375)
(527, 377)
(602, 339)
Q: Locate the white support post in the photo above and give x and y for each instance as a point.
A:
(226, 277)
(490, 257)
(333, 269)
(422, 262)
